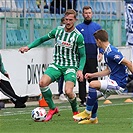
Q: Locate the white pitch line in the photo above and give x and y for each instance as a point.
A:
(60, 108)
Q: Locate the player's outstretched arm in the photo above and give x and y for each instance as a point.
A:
(128, 63)
(105, 72)
(24, 49)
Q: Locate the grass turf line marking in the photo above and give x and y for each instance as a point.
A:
(28, 111)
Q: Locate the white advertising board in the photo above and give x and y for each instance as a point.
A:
(26, 69)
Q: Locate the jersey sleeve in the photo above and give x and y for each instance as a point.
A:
(42, 39)
(81, 49)
(116, 56)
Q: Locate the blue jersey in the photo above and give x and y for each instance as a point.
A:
(87, 30)
(118, 71)
(128, 1)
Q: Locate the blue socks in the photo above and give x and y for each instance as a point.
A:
(92, 103)
(94, 110)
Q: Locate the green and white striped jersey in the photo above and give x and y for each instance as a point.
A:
(68, 46)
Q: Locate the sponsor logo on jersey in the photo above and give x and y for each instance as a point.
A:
(64, 44)
(116, 57)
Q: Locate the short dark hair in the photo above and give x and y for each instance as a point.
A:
(101, 35)
(62, 22)
(62, 19)
(86, 8)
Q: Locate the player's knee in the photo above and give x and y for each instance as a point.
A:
(92, 84)
(43, 84)
(95, 84)
(68, 92)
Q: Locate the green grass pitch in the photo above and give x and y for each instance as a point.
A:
(113, 118)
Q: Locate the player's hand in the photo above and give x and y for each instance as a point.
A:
(88, 76)
(24, 49)
(80, 75)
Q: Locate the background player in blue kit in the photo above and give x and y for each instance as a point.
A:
(116, 68)
(87, 29)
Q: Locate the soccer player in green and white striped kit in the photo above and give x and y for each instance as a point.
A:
(69, 46)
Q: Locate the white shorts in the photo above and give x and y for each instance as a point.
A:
(107, 82)
(109, 87)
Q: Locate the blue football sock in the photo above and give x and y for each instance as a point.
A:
(91, 99)
(94, 110)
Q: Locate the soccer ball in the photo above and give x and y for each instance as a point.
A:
(38, 114)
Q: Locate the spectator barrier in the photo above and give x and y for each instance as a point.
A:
(17, 32)
(26, 69)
